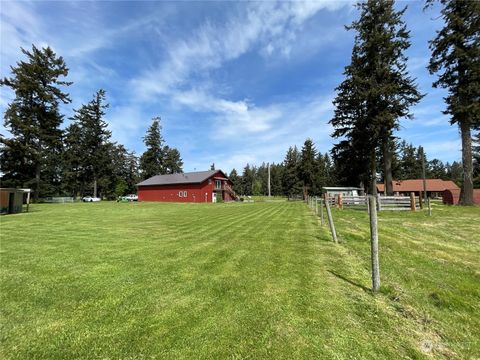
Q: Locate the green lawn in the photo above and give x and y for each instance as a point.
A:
(256, 280)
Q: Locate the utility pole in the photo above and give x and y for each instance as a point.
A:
(269, 192)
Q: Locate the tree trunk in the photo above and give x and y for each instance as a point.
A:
(95, 186)
(387, 168)
(467, 187)
(37, 181)
(373, 174)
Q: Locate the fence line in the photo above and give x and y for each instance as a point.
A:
(360, 202)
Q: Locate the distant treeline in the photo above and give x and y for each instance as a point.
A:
(306, 171)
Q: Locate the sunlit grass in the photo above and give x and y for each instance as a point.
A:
(251, 280)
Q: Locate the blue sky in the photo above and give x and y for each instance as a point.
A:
(234, 82)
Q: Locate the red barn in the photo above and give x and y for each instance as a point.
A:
(435, 187)
(200, 186)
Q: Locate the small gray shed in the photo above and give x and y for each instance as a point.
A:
(11, 200)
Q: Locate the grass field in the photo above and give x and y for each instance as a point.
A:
(256, 280)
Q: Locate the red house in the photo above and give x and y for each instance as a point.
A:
(200, 186)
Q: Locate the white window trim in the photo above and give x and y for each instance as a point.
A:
(184, 194)
(180, 193)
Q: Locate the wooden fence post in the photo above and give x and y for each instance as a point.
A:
(379, 202)
(413, 206)
(321, 211)
(330, 220)
(420, 199)
(316, 206)
(429, 207)
(340, 201)
(374, 244)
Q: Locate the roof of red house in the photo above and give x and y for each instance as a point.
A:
(180, 178)
(417, 185)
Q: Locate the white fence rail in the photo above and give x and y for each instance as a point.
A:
(58, 200)
(384, 203)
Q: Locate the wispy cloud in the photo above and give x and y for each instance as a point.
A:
(268, 26)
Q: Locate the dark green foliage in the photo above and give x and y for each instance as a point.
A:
(276, 176)
(173, 162)
(159, 159)
(152, 160)
(236, 181)
(410, 163)
(376, 93)
(31, 157)
(257, 188)
(248, 178)
(476, 161)
(292, 184)
(73, 176)
(124, 172)
(94, 142)
(324, 173)
(455, 172)
(436, 169)
(306, 168)
(456, 60)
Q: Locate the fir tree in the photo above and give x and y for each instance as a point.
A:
(236, 181)
(33, 118)
(410, 163)
(306, 167)
(276, 176)
(456, 59)
(377, 91)
(173, 162)
(72, 164)
(436, 169)
(292, 185)
(248, 177)
(152, 160)
(95, 138)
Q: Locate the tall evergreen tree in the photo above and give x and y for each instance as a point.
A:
(292, 184)
(377, 91)
(436, 169)
(410, 163)
(173, 162)
(124, 173)
(34, 119)
(95, 140)
(276, 176)
(236, 181)
(72, 161)
(306, 167)
(152, 160)
(456, 59)
(248, 178)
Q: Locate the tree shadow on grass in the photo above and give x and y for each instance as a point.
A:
(364, 288)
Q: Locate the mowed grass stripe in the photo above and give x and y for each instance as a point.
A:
(261, 280)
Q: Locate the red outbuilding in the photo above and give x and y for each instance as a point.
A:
(200, 186)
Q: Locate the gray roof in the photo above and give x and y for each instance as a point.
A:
(181, 178)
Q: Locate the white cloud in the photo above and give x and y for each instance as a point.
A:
(443, 149)
(270, 25)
